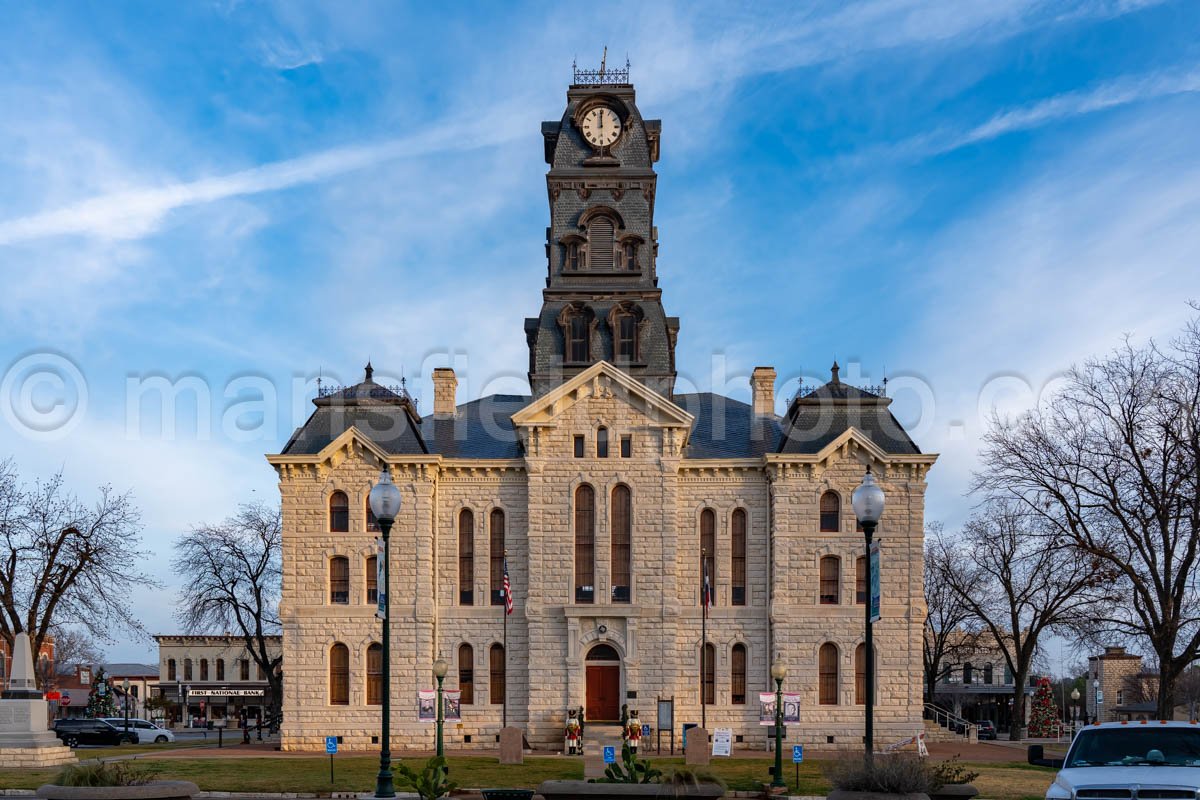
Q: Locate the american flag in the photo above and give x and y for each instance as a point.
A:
(508, 604)
(707, 597)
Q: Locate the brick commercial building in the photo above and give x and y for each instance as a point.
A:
(611, 494)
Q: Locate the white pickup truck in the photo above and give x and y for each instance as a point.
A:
(1128, 761)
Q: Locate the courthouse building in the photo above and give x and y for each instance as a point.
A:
(611, 494)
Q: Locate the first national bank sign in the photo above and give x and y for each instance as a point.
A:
(226, 693)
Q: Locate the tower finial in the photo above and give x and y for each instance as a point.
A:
(603, 59)
(369, 370)
(834, 371)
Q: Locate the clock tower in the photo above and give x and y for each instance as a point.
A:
(601, 301)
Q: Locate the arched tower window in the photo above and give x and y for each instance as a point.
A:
(831, 507)
(827, 675)
(576, 321)
(496, 561)
(625, 320)
(621, 543)
(496, 674)
(737, 675)
(466, 674)
(339, 580)
(339, 512)
(375, 674)
(585, 544)
(576, 255)
(466, 557)
(339, 675)
(737, 558)
(708, 559)
(600, 230)
(627, 253)
(831, 574)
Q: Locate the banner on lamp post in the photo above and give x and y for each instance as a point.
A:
(380, 567)
(876, 599)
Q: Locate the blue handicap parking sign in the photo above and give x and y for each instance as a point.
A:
(610, 755)
(645, 730)
(330, 744)
(797, 753)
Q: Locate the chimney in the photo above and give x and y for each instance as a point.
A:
(762, 389)
(445, 385)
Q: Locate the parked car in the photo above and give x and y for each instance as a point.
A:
(1130, 760)
(147, 731)
(74, 732)
(986, 729)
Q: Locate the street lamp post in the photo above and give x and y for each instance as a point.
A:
(1074, 709)
(868, 501)
(778, 672)
(439, 671)
(125, 688)
(385, 504)
(187, 689)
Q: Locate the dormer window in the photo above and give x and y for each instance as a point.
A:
(627, 255)
(577, 321)
(577, 339)
(576, 256)
(625, 321)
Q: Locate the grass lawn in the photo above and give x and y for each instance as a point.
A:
(1016, 781)
(87, 753)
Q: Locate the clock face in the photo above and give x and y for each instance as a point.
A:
(601, 126)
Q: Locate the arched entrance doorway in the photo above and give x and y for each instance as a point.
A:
(603, 684)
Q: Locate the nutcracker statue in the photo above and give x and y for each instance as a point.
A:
(573, 734)
(633, 730)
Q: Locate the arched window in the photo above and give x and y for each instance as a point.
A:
(625, 340)
(627, 255)
(187, 669)
(831, 573)
(339, 580)
(602, 442)
(621, 543)
(576, 321)
(576, 255)
(372, 523)
(339, 675)
(710, 673)
(375, 675)
(372, 570)
(204, 669)
(339, 512)
(968, 673)
(220, 669)
(987, 674)
(860, 674)
(497, 557)
(585, 544)
(496, 668)
(466, 557)
(737, 558)
(827, 675)
(708, 559)
(171, 670)
(466, 674)
(831, 507)
(860, 580)
(737, 675)
(600, 242)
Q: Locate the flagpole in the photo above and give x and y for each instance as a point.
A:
(703, 638)
(504, 611)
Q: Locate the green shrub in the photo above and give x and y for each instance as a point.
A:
(630, 769)
(104, 773)
(951, 771)
(432, 782)
(883, 774)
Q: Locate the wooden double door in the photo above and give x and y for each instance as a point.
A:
(603, 693)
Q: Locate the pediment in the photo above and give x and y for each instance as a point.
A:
(350, 443)
(606, 381)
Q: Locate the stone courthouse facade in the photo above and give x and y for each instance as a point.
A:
(611, 495)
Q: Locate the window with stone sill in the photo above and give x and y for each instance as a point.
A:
(708, 560)
(827, 675)
(339, 580)
(576, 256)
(860, 580)
(372, 575)
(627, 446)
(339, 675)
(339, 512)
(621, 542)
(831, 507)
(627, 255)
(496, 560)
(709, 674)
(497, 682)
(580, 445)
(171, 673)
(187, 669)
(737, 558)
(466, 557)
(375, 674)
(602, 442)
(244, 669)
(220, 669)
(737, 675)
(466, 674)
(372, 522)
(585, 544)
(830, 578)
(204, 669)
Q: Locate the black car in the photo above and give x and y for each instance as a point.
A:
(74, 732)
(986, 728)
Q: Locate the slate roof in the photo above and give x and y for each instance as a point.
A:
(482, 428)
(726, 428)
(817, 418)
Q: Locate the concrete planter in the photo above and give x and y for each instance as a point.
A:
(954, 791)
(565, 790)
(842, 794)
(155, 790)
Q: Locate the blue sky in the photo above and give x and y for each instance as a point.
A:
(970, 195)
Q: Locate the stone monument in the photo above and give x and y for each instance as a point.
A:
(512, 742)
(696, 753)
(25, 739)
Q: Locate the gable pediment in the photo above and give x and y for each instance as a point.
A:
(603, 380)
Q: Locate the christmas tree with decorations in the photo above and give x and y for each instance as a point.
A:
(100, 699)
(1043, 717)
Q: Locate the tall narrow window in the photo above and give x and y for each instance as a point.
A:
(629, 255)
(497, 557)
(339, 675)
(372, 523)
(577, 340)
(827, 675)
(375, 675)
(220, 669)
(602, 442)
(710, 674)
(708, 560)
(576, 256)
(187, 669)
(626, 338)
(737, 675)
(171, 670)
(339, 580)
(262, 675)
(600, 242)
(496, 677)
(339, 512)
(466, 674)
(244, 669)
(831, 507)
(968, 673)
(860, 675)
(622, 534)
(585, 544)
(860, 580)
(580, 444)
(204, 669)
(626, 446)
(987, 674)
(737, 558)
(830, 578)
(466, 557)
(372, 570)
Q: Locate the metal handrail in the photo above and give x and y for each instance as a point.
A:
(947, 718)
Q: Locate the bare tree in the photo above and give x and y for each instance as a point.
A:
(1112, 463)
(72, 647)
(946, 637)
(232, 580)
(63, 562)
(1018, 581)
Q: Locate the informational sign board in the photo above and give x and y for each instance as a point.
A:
(797, 754)
(218, 692)
(426, 706)
(452, 700)
(330, 745)
(876, 597)
(380, 566)
(722, 742)
(610, 754)
(666, 714)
